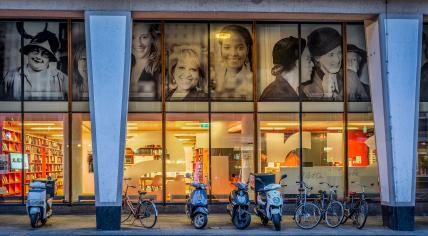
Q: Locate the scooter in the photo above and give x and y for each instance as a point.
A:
(238, 207)
(197, 205)
(269, 203)
(39, 201)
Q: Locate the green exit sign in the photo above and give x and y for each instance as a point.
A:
(204, 125)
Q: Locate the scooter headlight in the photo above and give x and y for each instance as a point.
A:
(35, 202)
(241, 199)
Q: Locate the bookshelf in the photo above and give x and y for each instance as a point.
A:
(45, 158)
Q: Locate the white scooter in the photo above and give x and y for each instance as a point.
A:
(269, 203)
(39, 201)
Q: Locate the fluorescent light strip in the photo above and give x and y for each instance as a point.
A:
(46, 128)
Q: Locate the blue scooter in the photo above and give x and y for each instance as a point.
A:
(197, 205)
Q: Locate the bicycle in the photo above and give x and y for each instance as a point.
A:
(332, 211)
(356, 208)
(145, 210)
(307, 214)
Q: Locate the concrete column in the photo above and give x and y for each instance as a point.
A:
(108, 47)
(394, 47)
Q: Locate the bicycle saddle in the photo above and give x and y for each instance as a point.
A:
(352, 193)
(321, 192)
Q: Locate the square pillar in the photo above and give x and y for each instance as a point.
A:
(394, 47)
(108, 48)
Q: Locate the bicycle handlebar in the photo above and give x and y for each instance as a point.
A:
(304, 185)
(330, 186)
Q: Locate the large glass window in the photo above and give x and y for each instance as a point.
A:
(279, 147)
(12, 162)
(186, 152)
(80, 87)
(232, 152)
(323, 159)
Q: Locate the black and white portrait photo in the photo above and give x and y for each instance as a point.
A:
(424, 72)
(80, 88)
(231, 64)
(145, 62)
(187, 55)
(45, 61)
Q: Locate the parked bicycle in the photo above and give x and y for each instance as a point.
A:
(145, 210)
(308, 214)
(331, 210)
(356, 208)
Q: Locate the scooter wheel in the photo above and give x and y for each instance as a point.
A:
(34, 218)
(200, 220)
(276, 220)
(241, 222)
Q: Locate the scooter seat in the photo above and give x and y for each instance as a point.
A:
(142, 192)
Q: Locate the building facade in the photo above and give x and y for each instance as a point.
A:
(95, 93)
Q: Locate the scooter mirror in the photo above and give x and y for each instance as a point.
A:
(283, 176)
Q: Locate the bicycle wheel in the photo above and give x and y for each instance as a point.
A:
(334, 214)
(361, 214)
(307, 215)
(126, 212)
(148, 214)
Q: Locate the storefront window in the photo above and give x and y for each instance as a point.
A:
(186, 152)
(80, 88)
(12, 162)
(362, 159)
(279, 147)
(231, 62)
(45, 60)
(232, 152)
(45, 136)
(143, 155)
(323, 159)
(422, 163)
(424, 72)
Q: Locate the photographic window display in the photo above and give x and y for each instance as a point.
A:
(80, 87)
(187, 54)
(424, 63)
(231, 66)
(45, 60)
(146, 62)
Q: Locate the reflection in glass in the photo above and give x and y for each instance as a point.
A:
(323, 154)
(279, 147)
(231, 75)
(146, 62)
(357, 72)
(362, 159)
(45, 61)
(187, 152)
(11, 158)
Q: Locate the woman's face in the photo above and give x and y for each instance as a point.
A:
(307, 65)
(331, 61)
(186, 73)
(234, 51)
(352, 62)
(82, 66)
(141, 40)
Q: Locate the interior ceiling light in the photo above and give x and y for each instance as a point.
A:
(234, 129)
(282, 123)
(37, 124)
(193, 128)
(46, 128)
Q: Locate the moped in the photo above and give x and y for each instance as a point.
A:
(239, 204)
(269, 203)
(39, 201)
(197, 205)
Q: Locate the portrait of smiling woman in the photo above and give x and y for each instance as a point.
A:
(233, 77)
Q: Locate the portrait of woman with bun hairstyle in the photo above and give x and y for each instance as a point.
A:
(233, 75)
(285, 57)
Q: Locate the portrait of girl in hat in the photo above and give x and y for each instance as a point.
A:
(285, 57)
(42, 80)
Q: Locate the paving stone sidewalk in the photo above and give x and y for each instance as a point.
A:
(179, 224)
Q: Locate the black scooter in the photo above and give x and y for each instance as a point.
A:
(238, 207)
(197, 205)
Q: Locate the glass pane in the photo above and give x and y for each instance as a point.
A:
(325, 46)
(80, 71)
(362, 159)
(143, 155)
(10, 61)
(82, 175)
(187, 56)
(279, 148)
(45, 61)
(146, 62)
(44, 144)
(278, 62)
(323, 150)
(422, 164)
(231, 62)
(11, 158)
(232, 152)
(424, 74)
(357, 70)
(186, 152)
